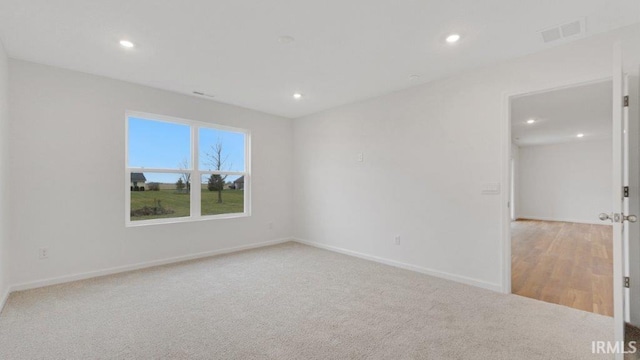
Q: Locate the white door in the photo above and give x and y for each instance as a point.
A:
(625, 198)
(620, 205)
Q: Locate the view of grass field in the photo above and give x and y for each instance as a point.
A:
(165, 144)
(177, 204)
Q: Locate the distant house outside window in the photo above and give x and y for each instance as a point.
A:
(137, 181)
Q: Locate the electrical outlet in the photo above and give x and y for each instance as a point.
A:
(397, 238)
(43, 253)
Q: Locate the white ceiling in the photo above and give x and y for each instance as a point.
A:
(562, 114)
(344, 50)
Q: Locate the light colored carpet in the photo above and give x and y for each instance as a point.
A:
(288, 301)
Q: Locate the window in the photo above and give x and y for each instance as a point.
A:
(181, 170)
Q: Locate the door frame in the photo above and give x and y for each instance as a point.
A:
(505, 130)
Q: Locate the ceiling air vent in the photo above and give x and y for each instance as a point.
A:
(551, 35)
(564, 31)
(200, 93)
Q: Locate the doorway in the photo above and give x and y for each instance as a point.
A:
(560, 177)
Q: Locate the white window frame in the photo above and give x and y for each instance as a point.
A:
(196, 173)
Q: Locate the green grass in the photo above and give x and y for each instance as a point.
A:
(232, 202)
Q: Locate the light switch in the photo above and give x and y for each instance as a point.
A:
(360, 157)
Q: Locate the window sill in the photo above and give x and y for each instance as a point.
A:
(189, 219)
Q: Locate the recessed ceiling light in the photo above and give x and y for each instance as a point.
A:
(453, 38)
(580, 135)
(530, 121)
(414, 77)
(126, 43)
(297, 96)
(286, 39)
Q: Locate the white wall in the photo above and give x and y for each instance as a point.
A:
(4, 174)
(428, 151)
(67, 170)
(566, 182)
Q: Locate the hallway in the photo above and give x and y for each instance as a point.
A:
(563, 263)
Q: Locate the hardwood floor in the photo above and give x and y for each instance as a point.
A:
(563, 263)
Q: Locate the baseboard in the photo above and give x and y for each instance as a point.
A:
(541, 218)
(4, 299)
(138, 266)
(435, 273)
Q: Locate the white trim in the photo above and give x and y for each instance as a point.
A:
(127, 173)
(5, 297)
(542, 218)
(138, 266)
(195, 192)
(183, 121)
(186, 219)
(195, 197)
(178, 259)
(617, 196)
(210, 172)
(435, 273)
(505, 197)
(247, 187)
(625, 200)
(159, 170)
(505, 133)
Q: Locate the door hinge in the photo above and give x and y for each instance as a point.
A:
(627, 282)
(626, 101)
(625, 191)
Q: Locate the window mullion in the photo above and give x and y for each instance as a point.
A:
(196, 187)
(155, 170)
(222, 172)
(215, 206)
